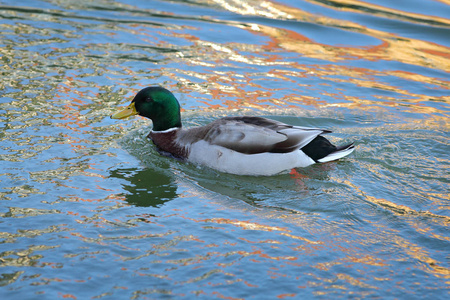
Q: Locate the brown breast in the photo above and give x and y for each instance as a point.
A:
(167, 142)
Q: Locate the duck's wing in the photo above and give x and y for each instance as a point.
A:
(251, 135)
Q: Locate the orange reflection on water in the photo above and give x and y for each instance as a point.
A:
(392, 47)
(364, 7)
(245, 224)
(368, 260)
(413, 250)
(233, 90)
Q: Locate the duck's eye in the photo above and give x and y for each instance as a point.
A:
(148, 99)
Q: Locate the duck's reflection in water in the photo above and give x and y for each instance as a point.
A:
(146, 187)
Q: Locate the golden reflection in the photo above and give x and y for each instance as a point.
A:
(232, 92)
(367, 260)
(23, 212)
(411, 249)
(245, 224)
(301, 238)
(391, 47)
(25, 257)
(355, 281)
(364, 7)
(403, 209)
(238, 90)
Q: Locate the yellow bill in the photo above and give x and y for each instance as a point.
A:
(129, 111)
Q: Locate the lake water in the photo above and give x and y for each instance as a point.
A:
(90, 210)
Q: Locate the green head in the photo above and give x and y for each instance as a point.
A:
(157, 104)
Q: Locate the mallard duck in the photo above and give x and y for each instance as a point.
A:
(239, 145)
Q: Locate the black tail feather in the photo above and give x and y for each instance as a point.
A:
(320, 147)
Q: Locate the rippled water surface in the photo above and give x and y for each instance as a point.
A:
(90, 210)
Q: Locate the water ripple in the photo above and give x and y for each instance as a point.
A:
(89, 209)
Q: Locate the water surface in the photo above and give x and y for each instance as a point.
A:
(90, 210)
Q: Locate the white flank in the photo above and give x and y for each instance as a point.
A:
(228, 161)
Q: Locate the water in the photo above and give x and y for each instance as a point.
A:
(90, 210)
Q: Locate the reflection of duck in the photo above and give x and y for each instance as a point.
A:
(237, 145)
(146, 187)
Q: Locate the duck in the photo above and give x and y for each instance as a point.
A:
(241, 145)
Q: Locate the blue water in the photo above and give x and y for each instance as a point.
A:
(90, 210)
